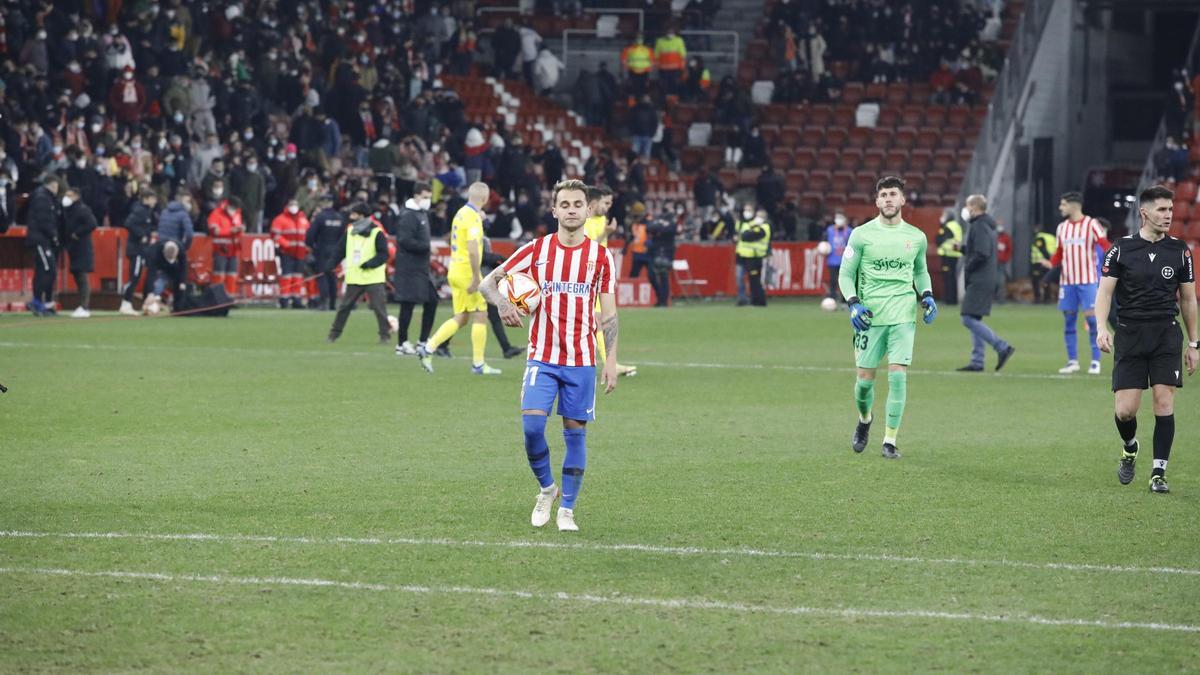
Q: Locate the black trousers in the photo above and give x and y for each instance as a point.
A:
(376, 299)
(428, 313)
(754, 270)
(643, 260)
(498, 328)
(137, 269)
(834, 271)
(949, 281)
(45, 271)
(85, 289)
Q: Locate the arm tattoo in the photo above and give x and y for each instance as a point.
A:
(609, 326)
(490, 288)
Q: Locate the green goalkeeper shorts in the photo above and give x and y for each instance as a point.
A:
(896, 341)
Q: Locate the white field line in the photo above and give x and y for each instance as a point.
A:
(651, 364)
(617, 600)
(605, 548)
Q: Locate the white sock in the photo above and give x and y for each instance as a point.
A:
(866, 420)
(1161, 464)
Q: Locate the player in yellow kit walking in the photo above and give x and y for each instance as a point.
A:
(599, 227)
(466, 255)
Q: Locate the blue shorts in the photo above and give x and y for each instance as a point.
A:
(575, 387)
(1077, 297)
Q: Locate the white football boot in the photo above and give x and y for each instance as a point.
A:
(1071, 367)
(566, 520)
(541, 508)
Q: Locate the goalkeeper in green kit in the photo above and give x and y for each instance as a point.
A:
(884, 280)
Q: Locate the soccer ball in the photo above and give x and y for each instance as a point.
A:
(152, 305)
(824, 248)
(522, 291)
(829, 304)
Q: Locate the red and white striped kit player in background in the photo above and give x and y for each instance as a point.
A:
(1078, 236)
(573, 272)
(563, 331)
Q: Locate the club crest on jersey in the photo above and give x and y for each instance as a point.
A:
(591, 266)
(1168, 272)
(908, 246)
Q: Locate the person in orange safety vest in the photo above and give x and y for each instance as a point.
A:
(225, 227)
(288, 231)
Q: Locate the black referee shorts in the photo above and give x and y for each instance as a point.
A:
(1146, 354)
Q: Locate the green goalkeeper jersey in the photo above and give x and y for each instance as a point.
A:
(883, 266)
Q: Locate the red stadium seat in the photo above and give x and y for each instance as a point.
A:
(818, 181)
(859, 137)
(1194, 153)
(935, 184)
(876, 91)
(842, 182)
(781, 159)
(920, 160)
(945, 160)
(897, 93)
(888, 118)
(853, 92)
(864, 181)
(1186, 191)
(873, 160)
(928, 138)
(897, 160)
(913, 116)
(904, 138)
(829, 159)
(1182, 210)
(796, 181)
(804, 158)
(951, 139)
(851, 158)
(810, 201)
(770, 134)
(789, 136)
(812, 136)
(919, 92)
(958, 117)
(776, 113)
(835, 137)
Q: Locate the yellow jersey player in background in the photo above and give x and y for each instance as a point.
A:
(464, 275)
(599, 227)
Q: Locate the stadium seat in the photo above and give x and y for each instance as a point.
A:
(858, 137)
(757, 50)
(950, 139)
(828, 159)
(796, 181)
(812, 136)
(928, 137)
(958, 117)
(1186, 191)
(1194, 153)
(919, 92)
(820, 114)
(935, 116)
(945, 160)
(804, 158)
(818, 181)
(873, 160)
(810, 201)
(1182, 210)
(770, 134)
(841, 182)
(897, 160)
(913, 116)
(864, 181)
(920, 160)
(851, 158)
(777, 113)
(781, 159)
(853, 92)
(897, 93)
(935, 184)
(905, 138)
(876, 91)
(835, 137)
(789, 136)
(889, 117)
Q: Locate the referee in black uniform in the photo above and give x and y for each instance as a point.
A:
(1154, 279)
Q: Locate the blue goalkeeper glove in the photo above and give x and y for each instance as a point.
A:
(930, 308)
(860, 316)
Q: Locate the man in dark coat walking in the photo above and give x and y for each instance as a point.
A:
(45, 221)
(413, 280)
(323, 237)
(140, 224)
(979, 258)
(78, 224)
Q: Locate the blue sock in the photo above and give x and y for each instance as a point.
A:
(1092, 330)
(536, 449)
(1070, 336)
(573, 465)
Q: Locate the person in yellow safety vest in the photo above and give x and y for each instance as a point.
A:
(753, 245)
(637, 60)
(366, 251)
(1042, 249)
(949, 250)
(670, 56)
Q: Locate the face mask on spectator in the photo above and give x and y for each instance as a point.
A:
(364, 60)
(96, 128)
(360, 39)
(293, 209)
(178, 117)
(128, 76)
(66, 202)
(57, 149)
(291, 155)
(312, 184)
(136, 145)
(965, 213)
(252, 166)
(41, 35)
(424, 203)
(747, 214)
(218, 192)
(170, 14)
(73, 67)
(81, 163)
(100, 150)
(79, 124)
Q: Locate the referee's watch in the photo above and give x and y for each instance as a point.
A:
(1194, 344)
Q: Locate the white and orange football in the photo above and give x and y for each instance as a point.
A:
(522, 291)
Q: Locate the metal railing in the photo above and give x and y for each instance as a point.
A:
(641, 13)
(1006, 107)
(583, 45)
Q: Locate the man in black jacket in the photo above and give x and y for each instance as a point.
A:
(79, 223)
(140, 223)
(412, 281)
(662, 255)
(364, 276)
(324, 233)
(42, 235)
(979, 259)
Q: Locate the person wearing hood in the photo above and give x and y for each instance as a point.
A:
(413, 280)
(176, 222)
(78, 224)
(44, 219)
(366, 252)
(288, 232)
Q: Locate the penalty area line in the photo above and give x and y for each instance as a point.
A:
(606, 548)
(699, 604)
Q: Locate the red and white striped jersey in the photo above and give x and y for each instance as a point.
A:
(1077, 250)
(563, 330)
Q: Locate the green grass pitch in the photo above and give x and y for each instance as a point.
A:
(352, 513)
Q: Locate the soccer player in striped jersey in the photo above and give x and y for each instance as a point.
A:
(1078, 237)
(599, 227)
(573, 272)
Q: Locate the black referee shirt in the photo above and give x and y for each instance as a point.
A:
(1148, 275)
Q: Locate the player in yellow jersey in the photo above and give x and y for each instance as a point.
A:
(599, 227)
(466, 255)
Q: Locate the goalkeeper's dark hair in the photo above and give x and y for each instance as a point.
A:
(570, 184)
(1155, 193)
(889, 182)
(597, 192)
